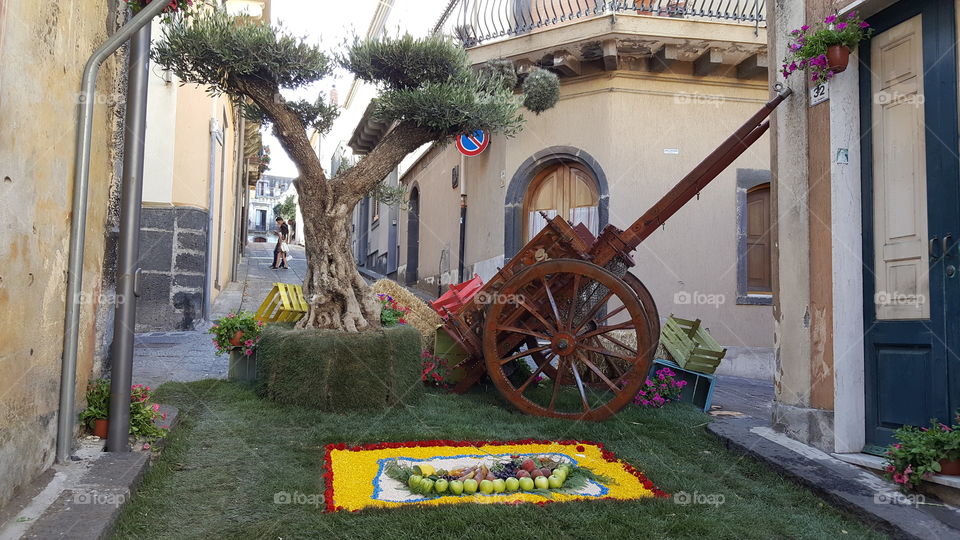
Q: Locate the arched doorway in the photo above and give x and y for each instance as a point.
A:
(581, 166)
(413, 236)
(565, 189)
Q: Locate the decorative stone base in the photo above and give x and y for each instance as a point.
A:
(807, 425)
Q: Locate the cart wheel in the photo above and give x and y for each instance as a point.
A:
(584, 337)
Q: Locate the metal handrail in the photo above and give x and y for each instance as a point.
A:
(474, 22)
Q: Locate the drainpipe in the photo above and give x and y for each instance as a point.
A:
(128, 256)
(78, 224)
(463, 216)
(215, 138)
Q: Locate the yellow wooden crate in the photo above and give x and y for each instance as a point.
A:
(284, 303)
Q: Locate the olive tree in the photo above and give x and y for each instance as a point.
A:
(427, 91)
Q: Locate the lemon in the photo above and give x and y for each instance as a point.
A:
(424, 470)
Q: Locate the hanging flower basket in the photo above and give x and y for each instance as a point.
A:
(824, 49)
(174, 5)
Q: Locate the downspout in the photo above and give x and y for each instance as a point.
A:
(463, 216)
(78, 224)
(128, 255)
(211, 198)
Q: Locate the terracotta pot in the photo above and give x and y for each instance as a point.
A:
(950, 467)
(838, 56)
(237, 339)
(100, 427)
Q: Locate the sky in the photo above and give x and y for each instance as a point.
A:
(329, 23)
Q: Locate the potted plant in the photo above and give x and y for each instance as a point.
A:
(143, 413)
(238, 334)
(391, 312)
(922, 452)
(825, 48)
(98, 404)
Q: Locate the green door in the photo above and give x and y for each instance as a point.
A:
(911, 218)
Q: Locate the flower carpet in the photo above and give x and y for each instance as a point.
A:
(419, 472)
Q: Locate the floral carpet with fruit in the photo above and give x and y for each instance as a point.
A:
(452, 472)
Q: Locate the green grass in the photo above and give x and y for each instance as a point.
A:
(233, 451)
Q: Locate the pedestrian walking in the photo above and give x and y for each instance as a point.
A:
(281, 249)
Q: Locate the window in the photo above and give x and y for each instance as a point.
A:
(567, 190)
(259, 189)
(755, 245)
(374, 209)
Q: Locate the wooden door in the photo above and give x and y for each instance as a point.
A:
(759, 268)
(568, 190)
(911, 219)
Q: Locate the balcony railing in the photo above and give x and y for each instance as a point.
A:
(474, 22)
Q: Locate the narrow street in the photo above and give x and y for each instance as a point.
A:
(189, 356)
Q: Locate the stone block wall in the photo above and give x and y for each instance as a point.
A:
(173, 251)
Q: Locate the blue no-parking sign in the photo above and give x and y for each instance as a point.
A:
(471, 144)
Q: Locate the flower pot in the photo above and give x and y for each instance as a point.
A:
(950, 467)
(242, 367)
(237, 339)
(838, 56)
(100, 427)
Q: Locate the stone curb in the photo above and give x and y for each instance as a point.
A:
(844, 486)
(90, 509)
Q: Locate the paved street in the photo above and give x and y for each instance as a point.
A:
(189, 356)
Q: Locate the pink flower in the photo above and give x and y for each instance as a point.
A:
(805, 28)
(248, 352)
(900, 478)
(908, 470)
(852, 15)
(830, 19)
(898, 446)
(156, 408)
(864, 24)
(259, 323)
(146, 446)
(890, 468)
(163, 416)
(248, 343)
(841, 26)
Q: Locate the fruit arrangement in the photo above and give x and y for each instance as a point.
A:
(531, 474)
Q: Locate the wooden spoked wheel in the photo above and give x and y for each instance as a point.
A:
(568, 339)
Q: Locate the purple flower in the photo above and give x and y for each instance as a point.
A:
(852, 15)
(830, 19)
(794, 47)
(794, 32)
(864, 24)
(841, 26)
(805, 27)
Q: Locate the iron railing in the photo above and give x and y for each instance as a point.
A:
(474, 22)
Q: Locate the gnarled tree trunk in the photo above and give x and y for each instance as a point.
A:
(339, 297)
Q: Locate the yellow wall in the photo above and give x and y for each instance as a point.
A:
(625, 120)
(44, 46)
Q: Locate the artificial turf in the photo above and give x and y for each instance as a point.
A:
(233, 452)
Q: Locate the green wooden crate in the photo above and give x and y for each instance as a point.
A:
(447, 348)
(690, 345)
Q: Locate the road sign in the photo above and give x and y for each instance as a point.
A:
(471, 144)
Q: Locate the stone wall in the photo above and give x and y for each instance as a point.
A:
(173, 247)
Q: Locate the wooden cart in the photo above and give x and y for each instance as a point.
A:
(564, 329)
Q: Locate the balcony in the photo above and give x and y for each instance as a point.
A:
(476, 22)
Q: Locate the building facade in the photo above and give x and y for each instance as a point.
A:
(269, 191)
(867, 197)
(196, 177)
(639, 108)
(43, 57)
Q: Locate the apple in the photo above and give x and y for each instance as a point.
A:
(440, 485)
(526, 483)
(528, 465)
(553, 480)
(426, 486)
(537, 473)
(456, 487)
(499, 486)
(470, 486)
(486, 487)
(414, 481)
(541, 482)
(512, 484)
(546, 472)
(560, 473)
(523, 474)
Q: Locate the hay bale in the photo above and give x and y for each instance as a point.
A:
(421, 317)
(340, 371)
